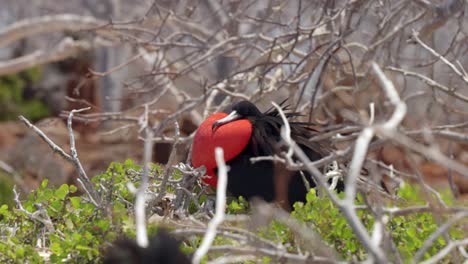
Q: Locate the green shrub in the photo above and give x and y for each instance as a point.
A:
(409, 232)
(6, 189)
(83, 231)
(12, 102)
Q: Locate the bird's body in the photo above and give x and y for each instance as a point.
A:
(246, 133)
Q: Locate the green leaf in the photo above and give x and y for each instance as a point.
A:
(3, 208)
(56, 205)
(73, 189)
(84, 248)
(118, 168)
(62, 192)
(75, 201)
(128, 163)
(103, 224)
(77, 236)
(56, 248)
(45, 195)
(20, 252)
(311, 195)
(69, 224)
(411, 232)
(44, 183)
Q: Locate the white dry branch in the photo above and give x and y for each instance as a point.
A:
(169, 165)
(360, 152)
(73, 157)
(347, 206)
(47, 24)
(140, 201)
(363, 141)
(40, 215)
(66, 48)
(220, 207)
(83, 179)
(431, 83)
(272, 51)
(285, 131)
(446, 250)
(152, 58)
(441, 230)
(459, 72)
(264, 212)
(431, 152)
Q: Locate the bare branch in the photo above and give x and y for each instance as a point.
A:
(41, 215)
(220, 207)
(168, 170)
(442, 229)
(454, 68)
(47, 24)
(431, 83)
(65, 49)
(446, 250)
(55, 148)
(83, 178)
(140, 201)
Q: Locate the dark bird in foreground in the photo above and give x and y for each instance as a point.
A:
(245, 133)
(162, 249)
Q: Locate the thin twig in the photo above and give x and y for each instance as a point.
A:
(431, 83)
(41, 215)
(446, 250)
(442, 229)
(440, 57)
(169, 166)
(82, 177)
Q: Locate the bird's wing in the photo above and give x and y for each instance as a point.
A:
(301, 132)
(265, 137)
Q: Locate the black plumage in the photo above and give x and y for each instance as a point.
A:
(267, 179)
(162, 249)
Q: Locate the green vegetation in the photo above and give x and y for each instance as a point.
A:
(12, 104)
(81, 231)
(409, 232)
(6, 189)
(12, 101)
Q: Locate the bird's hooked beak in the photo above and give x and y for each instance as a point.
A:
(231, 117)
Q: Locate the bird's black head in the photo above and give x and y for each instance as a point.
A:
(241, 110)
(246, 109)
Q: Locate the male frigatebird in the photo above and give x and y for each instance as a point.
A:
(245, 133)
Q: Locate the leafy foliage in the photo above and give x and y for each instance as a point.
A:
(12, 100)
(82, 231)
(409, 231)
(6, 187)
